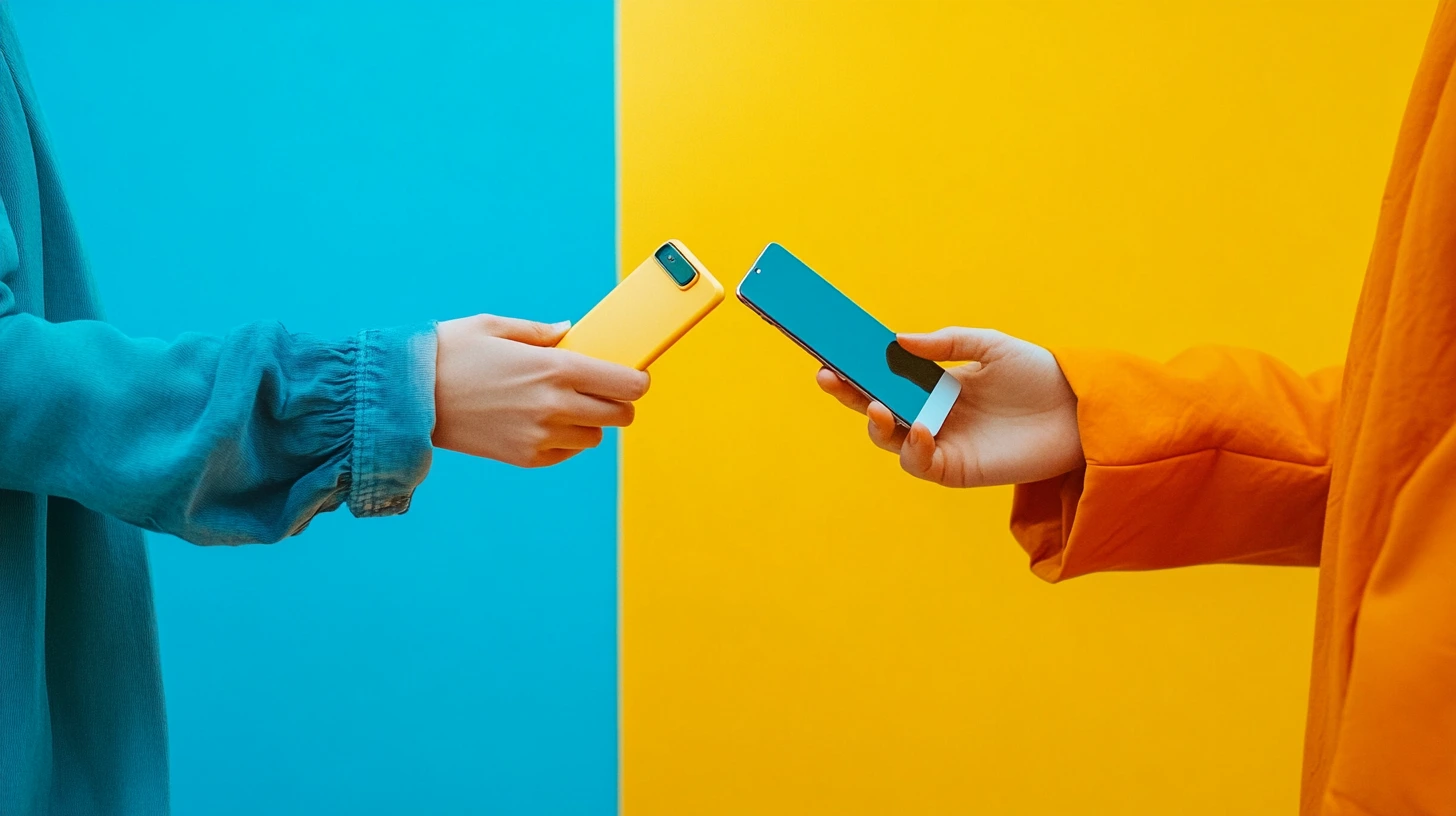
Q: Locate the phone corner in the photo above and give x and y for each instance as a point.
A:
(938, 404)
(718, 291)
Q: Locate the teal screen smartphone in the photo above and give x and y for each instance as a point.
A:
(784, 291)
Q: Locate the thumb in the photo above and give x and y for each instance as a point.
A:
(951, 344)
(526, 331)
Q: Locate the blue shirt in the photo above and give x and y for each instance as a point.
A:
(218, 440)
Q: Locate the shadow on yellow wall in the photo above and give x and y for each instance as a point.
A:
(806, 630)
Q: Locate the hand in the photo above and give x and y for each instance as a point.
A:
(1014, 422)
(503, 392)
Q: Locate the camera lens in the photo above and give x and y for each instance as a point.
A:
(681, 272)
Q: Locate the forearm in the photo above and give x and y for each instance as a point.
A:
(216, 439)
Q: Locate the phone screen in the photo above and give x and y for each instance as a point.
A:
(836, 330)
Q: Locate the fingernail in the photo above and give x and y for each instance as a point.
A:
(562, 325)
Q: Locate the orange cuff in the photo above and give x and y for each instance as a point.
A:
(1219, 456)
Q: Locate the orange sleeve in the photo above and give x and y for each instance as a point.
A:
(1220, 456)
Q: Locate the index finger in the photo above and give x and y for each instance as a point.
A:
(598, 378)
(951, 343)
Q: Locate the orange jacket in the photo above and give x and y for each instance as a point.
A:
(1225, 456)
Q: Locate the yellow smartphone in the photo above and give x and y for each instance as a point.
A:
(666, 295)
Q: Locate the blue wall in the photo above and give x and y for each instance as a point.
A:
(339, 165)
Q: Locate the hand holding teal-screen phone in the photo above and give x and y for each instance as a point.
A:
(848, 340)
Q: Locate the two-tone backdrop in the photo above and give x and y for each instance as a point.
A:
(800, 629)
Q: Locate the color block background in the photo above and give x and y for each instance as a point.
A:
(805, 630)
(339, 165)
(808, 631)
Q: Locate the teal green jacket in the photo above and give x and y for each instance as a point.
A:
(218, 440)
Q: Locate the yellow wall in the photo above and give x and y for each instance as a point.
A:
(806, 630)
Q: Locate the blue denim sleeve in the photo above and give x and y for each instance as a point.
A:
(219, 440)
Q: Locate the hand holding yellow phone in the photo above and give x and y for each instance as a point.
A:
(664, 297)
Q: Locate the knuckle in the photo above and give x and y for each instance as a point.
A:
(559, 368)
(554, 408)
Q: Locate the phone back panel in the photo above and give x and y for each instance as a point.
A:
(647, 312)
